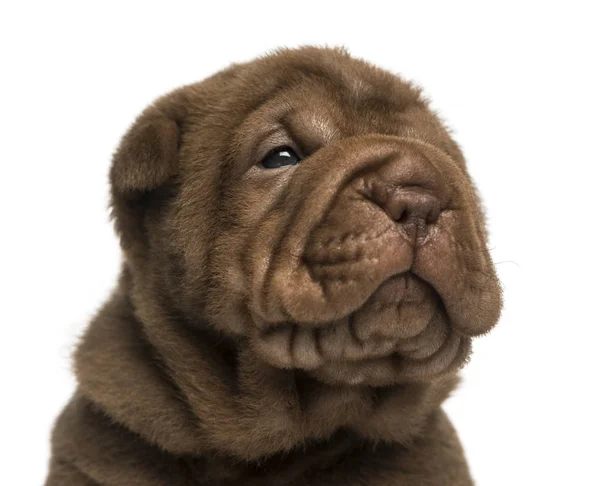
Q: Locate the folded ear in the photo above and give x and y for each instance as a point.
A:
(144, 169)
(147, 155)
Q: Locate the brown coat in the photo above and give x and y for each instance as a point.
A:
(283, 326)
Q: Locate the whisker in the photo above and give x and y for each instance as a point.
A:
(508, 261)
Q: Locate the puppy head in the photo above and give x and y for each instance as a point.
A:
(311, 206)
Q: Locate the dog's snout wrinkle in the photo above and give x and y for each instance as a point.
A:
(395, 217)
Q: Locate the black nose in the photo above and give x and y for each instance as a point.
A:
(413, 208)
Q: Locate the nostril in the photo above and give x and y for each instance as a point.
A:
(403, 216)
(396, 208)
(410, 206)
(433, 214)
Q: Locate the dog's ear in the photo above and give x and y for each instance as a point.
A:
(145, 167)
(147, 155)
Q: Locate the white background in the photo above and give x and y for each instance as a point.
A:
(519, 85)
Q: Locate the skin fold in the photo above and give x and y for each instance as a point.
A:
(286, 326)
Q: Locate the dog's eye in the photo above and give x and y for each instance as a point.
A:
(280, 157)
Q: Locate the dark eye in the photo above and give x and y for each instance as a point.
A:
(280, 157)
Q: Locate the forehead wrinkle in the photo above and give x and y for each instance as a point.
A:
(325, 126)
(258, 125)
(310, 129)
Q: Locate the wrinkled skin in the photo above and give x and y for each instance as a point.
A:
(345, 290)
(269, 311)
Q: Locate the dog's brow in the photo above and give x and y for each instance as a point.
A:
(310, 130)
(324, 126)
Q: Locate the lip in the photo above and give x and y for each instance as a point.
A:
(401, 308)
(397, 368)
(402, 319)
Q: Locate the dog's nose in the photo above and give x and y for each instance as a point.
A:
(413, 208)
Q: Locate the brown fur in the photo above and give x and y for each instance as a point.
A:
(284, 326)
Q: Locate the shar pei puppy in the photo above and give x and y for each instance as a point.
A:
(305, 265)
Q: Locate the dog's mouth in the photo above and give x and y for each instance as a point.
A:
(401, 333)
